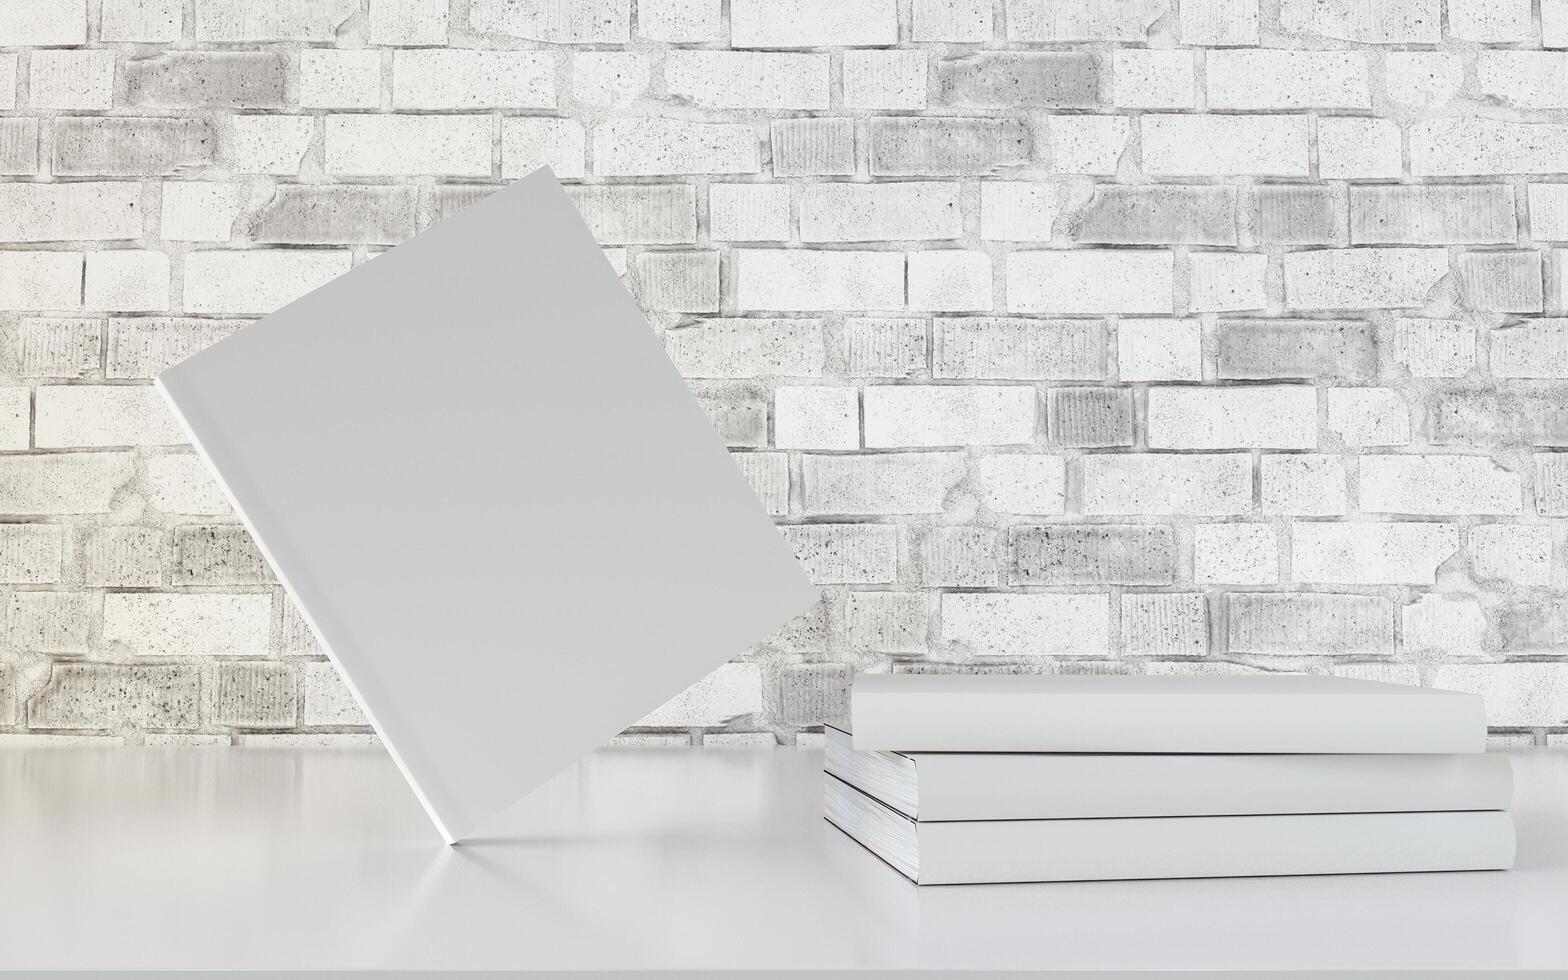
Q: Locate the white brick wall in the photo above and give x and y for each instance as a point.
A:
(1238, 328)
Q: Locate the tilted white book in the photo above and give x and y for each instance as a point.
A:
(1182, 714)
(1056, 785)
(984, 851)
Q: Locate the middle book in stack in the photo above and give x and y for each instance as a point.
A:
(989, 778)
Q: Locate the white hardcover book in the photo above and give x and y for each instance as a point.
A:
(994, 851)
(941, 786)
(1109, 713)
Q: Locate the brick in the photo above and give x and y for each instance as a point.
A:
(1224, 146)
(1523, 694)
(1442, 623)
(49, 622)
(408, 22)
(1266, 416)
(271, 144)
(748, 348)
(210, 624)
(884, 347)
(1528, 79)
(144, 21)
(300, 214)
(902, 211)
(1158, 624)
(1033, 625)
(812, 23)
(684, 281)
(1535, 626)
(19, 146)
(71, 79)
(837, 554)
(200, 211)
(813, 694)
(963, 21)
(1199, 484)
(1366, 553)
(1159, 350)
(816, 417)
(1082, 20)
(1535, 417)
(957, 557)
(217, 79)
(1147, 215)
(1008, 79)
(609, 78)
(1091, 145)
(40, 280)
(806, 280)
(747, 79)
(142, 347)
(1432, 214)
(886, 622)
(1309, 624)
(121, 557)
(8, 76)
(1092, 554)
(1386, 22)
(442, 78)
(408, 145)
(679, 20)
(738, 740)
(1437, 485)
(813, 147)
(1474, 146)
(14, 414)
(63, 483)
(1089, 281)
(621, 214)
(1422, 79)
(1303, 484)
(748, 212)
(885, 79)
(1432, 348)
(555, 21)
(180, 484)
(1091, 417)
(256, 281)
(131, 146)
(950, 280)
(1548, 212)
(1218, 22)
(31, 554)
(72, 416)
(295, 638)
(1355, 147)
(253, 695)
(1534, 349)
(1519, 554)
(1018, 211)
(1509, 281)
(768, 474)
(1226, 281)
(1271, 349)
(1551, 484)
(1235, 554)
(107, 696)
(1287, 214)
(738, 412)
(1490, 21)
(217, 554)
(324, 700)
(1145, 78)
(79, 211)
(925, 415)
(229, 21)
(1554, 24)
(886, 483)
(1022, 483)
(946, 146)
(657, 147)
(1362, 278)
(1279, 79)
(43, 22)
(127, 280)
(531, 142)
(58, 347)
(1368, 416)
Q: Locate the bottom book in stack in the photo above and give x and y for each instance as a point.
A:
(973, 817)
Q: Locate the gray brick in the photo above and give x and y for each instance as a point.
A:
(1258, 349)
(122, 557)
(1506, 282)
(654, 214)
(1092, 554)
(938, 146)
(130, 146)
(882, 483)
(885, 347)
(59, 347)
(957, 557)
(814, 694)
(31, 554)
(356, 214)
(1154, 215)
(104, 696)
(141, 347)
(1017, 348)
(49, 622)
(1532, 627)
(1532, 418)
(217, 554)
(840, 554)
(18, 146)
(746, 347)
(1431, 214)
(294, 636)
(1310, 624)
(448, 199)
(219, 79)
(254, 695)
(1159, 624)
(1551, 484)
(687, 282)
(738, 412)
(818, 147)
(1091, 417)
(1004, 80)
(768, 474)
(1293, 214)
(1535, 349)
(886, 622)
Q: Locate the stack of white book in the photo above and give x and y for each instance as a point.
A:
(986, 778)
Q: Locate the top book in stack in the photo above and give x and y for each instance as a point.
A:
(1280, 713)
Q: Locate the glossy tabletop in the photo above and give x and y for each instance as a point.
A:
(658, 858)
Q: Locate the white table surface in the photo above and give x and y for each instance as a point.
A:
(658, 858)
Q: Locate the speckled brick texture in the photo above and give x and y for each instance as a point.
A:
(1156, 336)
